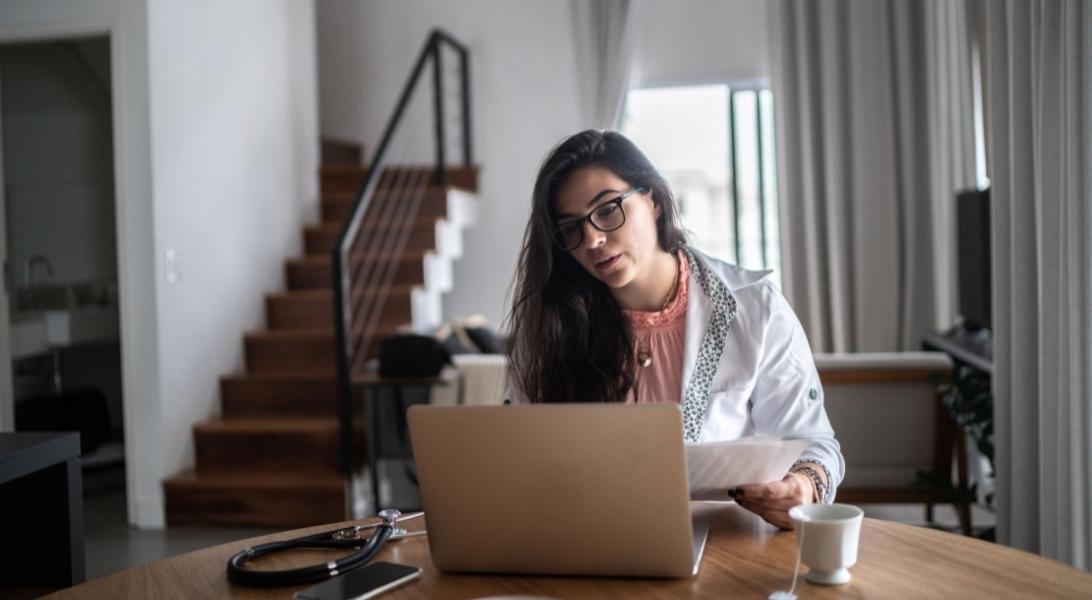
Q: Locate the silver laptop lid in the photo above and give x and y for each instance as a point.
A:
(565, 489)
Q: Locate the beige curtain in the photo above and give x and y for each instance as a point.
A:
(1039, 56)
(950, 107)
(607, 34)
(872, 102)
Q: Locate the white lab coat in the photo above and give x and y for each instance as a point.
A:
(747, 366)
(755, 376)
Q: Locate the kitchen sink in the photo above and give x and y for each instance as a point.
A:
(46, 317)
(65, 296)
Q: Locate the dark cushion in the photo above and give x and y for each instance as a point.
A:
(486, 341)
(408, 355)
(82, 410)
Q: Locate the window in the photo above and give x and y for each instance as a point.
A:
(982, 177)
(715, 146)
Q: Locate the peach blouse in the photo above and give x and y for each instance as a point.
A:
(663, 333)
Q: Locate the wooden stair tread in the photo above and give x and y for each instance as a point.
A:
(248, 444)
(361, 170)
(300, 334)
(385, 202)
(335, 151)
(190, 479)
(316, 271)
(283, 376)
(253, 499)
(311, 309)
(282, 395)
(315, 294)
(381, 193)
(286, 376)
(312, 334)
(269, 424)
(337, 141)
(324, 259)
(328, 294)
(331, 228)
(419, 233)
(346, 178)
(278, 350)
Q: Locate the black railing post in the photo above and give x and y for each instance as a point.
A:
(343, 278)
(438, 93)
(468, 154)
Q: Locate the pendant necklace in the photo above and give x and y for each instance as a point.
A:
(644, 347)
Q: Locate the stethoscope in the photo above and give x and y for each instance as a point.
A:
(347, 537)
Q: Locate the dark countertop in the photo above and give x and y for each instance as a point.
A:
(22, 453)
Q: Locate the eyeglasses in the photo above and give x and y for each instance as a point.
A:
(608, 216)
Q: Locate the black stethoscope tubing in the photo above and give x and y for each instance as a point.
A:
(368, 549)
(338, 538)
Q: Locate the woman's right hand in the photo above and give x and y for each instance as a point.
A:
(772, 501)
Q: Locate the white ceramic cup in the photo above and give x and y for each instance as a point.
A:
(828, 536)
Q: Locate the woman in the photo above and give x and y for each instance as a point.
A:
(611, 305)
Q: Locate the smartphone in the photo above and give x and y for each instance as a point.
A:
(366, 582)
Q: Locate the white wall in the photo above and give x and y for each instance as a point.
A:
(235, 153)
(702, 41)
(524, 102)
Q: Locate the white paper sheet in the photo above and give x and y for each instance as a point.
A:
(716, 467)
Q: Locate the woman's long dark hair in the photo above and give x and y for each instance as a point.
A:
(569, 340)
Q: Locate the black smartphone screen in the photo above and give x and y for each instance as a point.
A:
(366, 582)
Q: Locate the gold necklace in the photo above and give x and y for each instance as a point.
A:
(644, 348)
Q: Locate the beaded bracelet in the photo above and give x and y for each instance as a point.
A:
(821, 489)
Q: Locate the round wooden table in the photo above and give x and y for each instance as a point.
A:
(744, 558)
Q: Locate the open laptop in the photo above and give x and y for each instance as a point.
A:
(561, 489)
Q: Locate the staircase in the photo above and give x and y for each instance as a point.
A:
(272, 458)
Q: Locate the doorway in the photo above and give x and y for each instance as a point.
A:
(58, 242)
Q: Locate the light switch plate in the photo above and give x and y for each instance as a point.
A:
(171, 266)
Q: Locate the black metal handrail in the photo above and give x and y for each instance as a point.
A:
(345, 313)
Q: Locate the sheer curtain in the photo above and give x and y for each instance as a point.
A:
(1040, 115)
(873, 104)
(607, 34)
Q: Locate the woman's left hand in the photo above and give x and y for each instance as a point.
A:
(772, 501)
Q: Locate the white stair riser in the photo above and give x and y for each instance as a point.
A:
(427, 308)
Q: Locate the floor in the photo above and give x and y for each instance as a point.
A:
(112, 545)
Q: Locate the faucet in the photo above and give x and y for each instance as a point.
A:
(28, 268)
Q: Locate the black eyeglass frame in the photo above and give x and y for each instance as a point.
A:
(559, 237)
